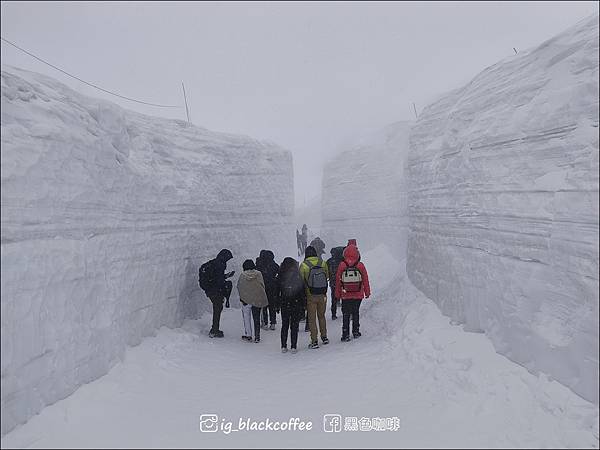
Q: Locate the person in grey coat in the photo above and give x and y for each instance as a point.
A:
(251, 288)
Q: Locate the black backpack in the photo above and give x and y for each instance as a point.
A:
(206, 276)
(291, 285)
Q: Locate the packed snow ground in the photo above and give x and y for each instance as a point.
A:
(448, 387)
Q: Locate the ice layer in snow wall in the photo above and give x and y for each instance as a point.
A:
(503, 206)
(106, 216)
(363, 192)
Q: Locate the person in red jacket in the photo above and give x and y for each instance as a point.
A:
(352, 284)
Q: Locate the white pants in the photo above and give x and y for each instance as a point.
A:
(247, 318)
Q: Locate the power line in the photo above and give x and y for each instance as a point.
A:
(85, 82)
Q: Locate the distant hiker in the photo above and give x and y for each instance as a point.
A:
(251, 288)
(315, 275)
(351, 286)
(299, 242)
(318, 245)
(304, 239)
(269, 268)
(337, 256)
(213, 280)
(292, 300)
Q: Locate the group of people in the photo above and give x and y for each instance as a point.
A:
(266, 289)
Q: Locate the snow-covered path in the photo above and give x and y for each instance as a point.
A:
(449, 389)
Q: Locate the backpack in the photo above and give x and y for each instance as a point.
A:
(206, 276)
(317, 277)
(351, 279)
(291, 285)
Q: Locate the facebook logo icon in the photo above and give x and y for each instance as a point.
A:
(332, 423)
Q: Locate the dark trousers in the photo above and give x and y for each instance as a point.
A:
(290, 319)
(334, 302)
(256, 318)
(350, 310)
(268, 313)
(217, 302)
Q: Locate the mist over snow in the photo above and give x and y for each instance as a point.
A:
(477, 221)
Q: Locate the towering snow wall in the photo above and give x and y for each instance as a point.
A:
(503, 205)
(106, 216)
(363, 192)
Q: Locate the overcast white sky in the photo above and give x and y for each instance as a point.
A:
(305, 75)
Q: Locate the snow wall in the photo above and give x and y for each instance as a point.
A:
(106, 216)
(364, 195)
(503, 206)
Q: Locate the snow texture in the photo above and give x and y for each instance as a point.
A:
(503, 206)
(106, 216)
(450, 389)
(364, 194)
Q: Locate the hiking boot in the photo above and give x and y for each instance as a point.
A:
(325, 341)
(345, 338)
(212, 334)
(265, 327)
(333, 317)
(294, 350)
(256, 340)
(246, 338)
(313, 345)
(272, 327)
(284, 349)
(356, 335)
(219, 334)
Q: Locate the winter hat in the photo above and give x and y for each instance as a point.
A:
(310, 251)
(248, 265)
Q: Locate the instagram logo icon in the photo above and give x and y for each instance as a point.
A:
(209, 423)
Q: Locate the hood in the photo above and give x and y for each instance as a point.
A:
(351, 255)
(266, 255)
(288, 265)
(337, 252)
(225, 255)
(250, 274)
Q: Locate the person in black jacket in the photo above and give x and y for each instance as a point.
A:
(214, 281)
(292, 301)
(337, 256)
(266, 264)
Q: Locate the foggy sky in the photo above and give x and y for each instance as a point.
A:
(305, 75)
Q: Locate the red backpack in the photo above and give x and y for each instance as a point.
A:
(351, 279)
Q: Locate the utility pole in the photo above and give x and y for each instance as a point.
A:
(187, 111)
(415, 109)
